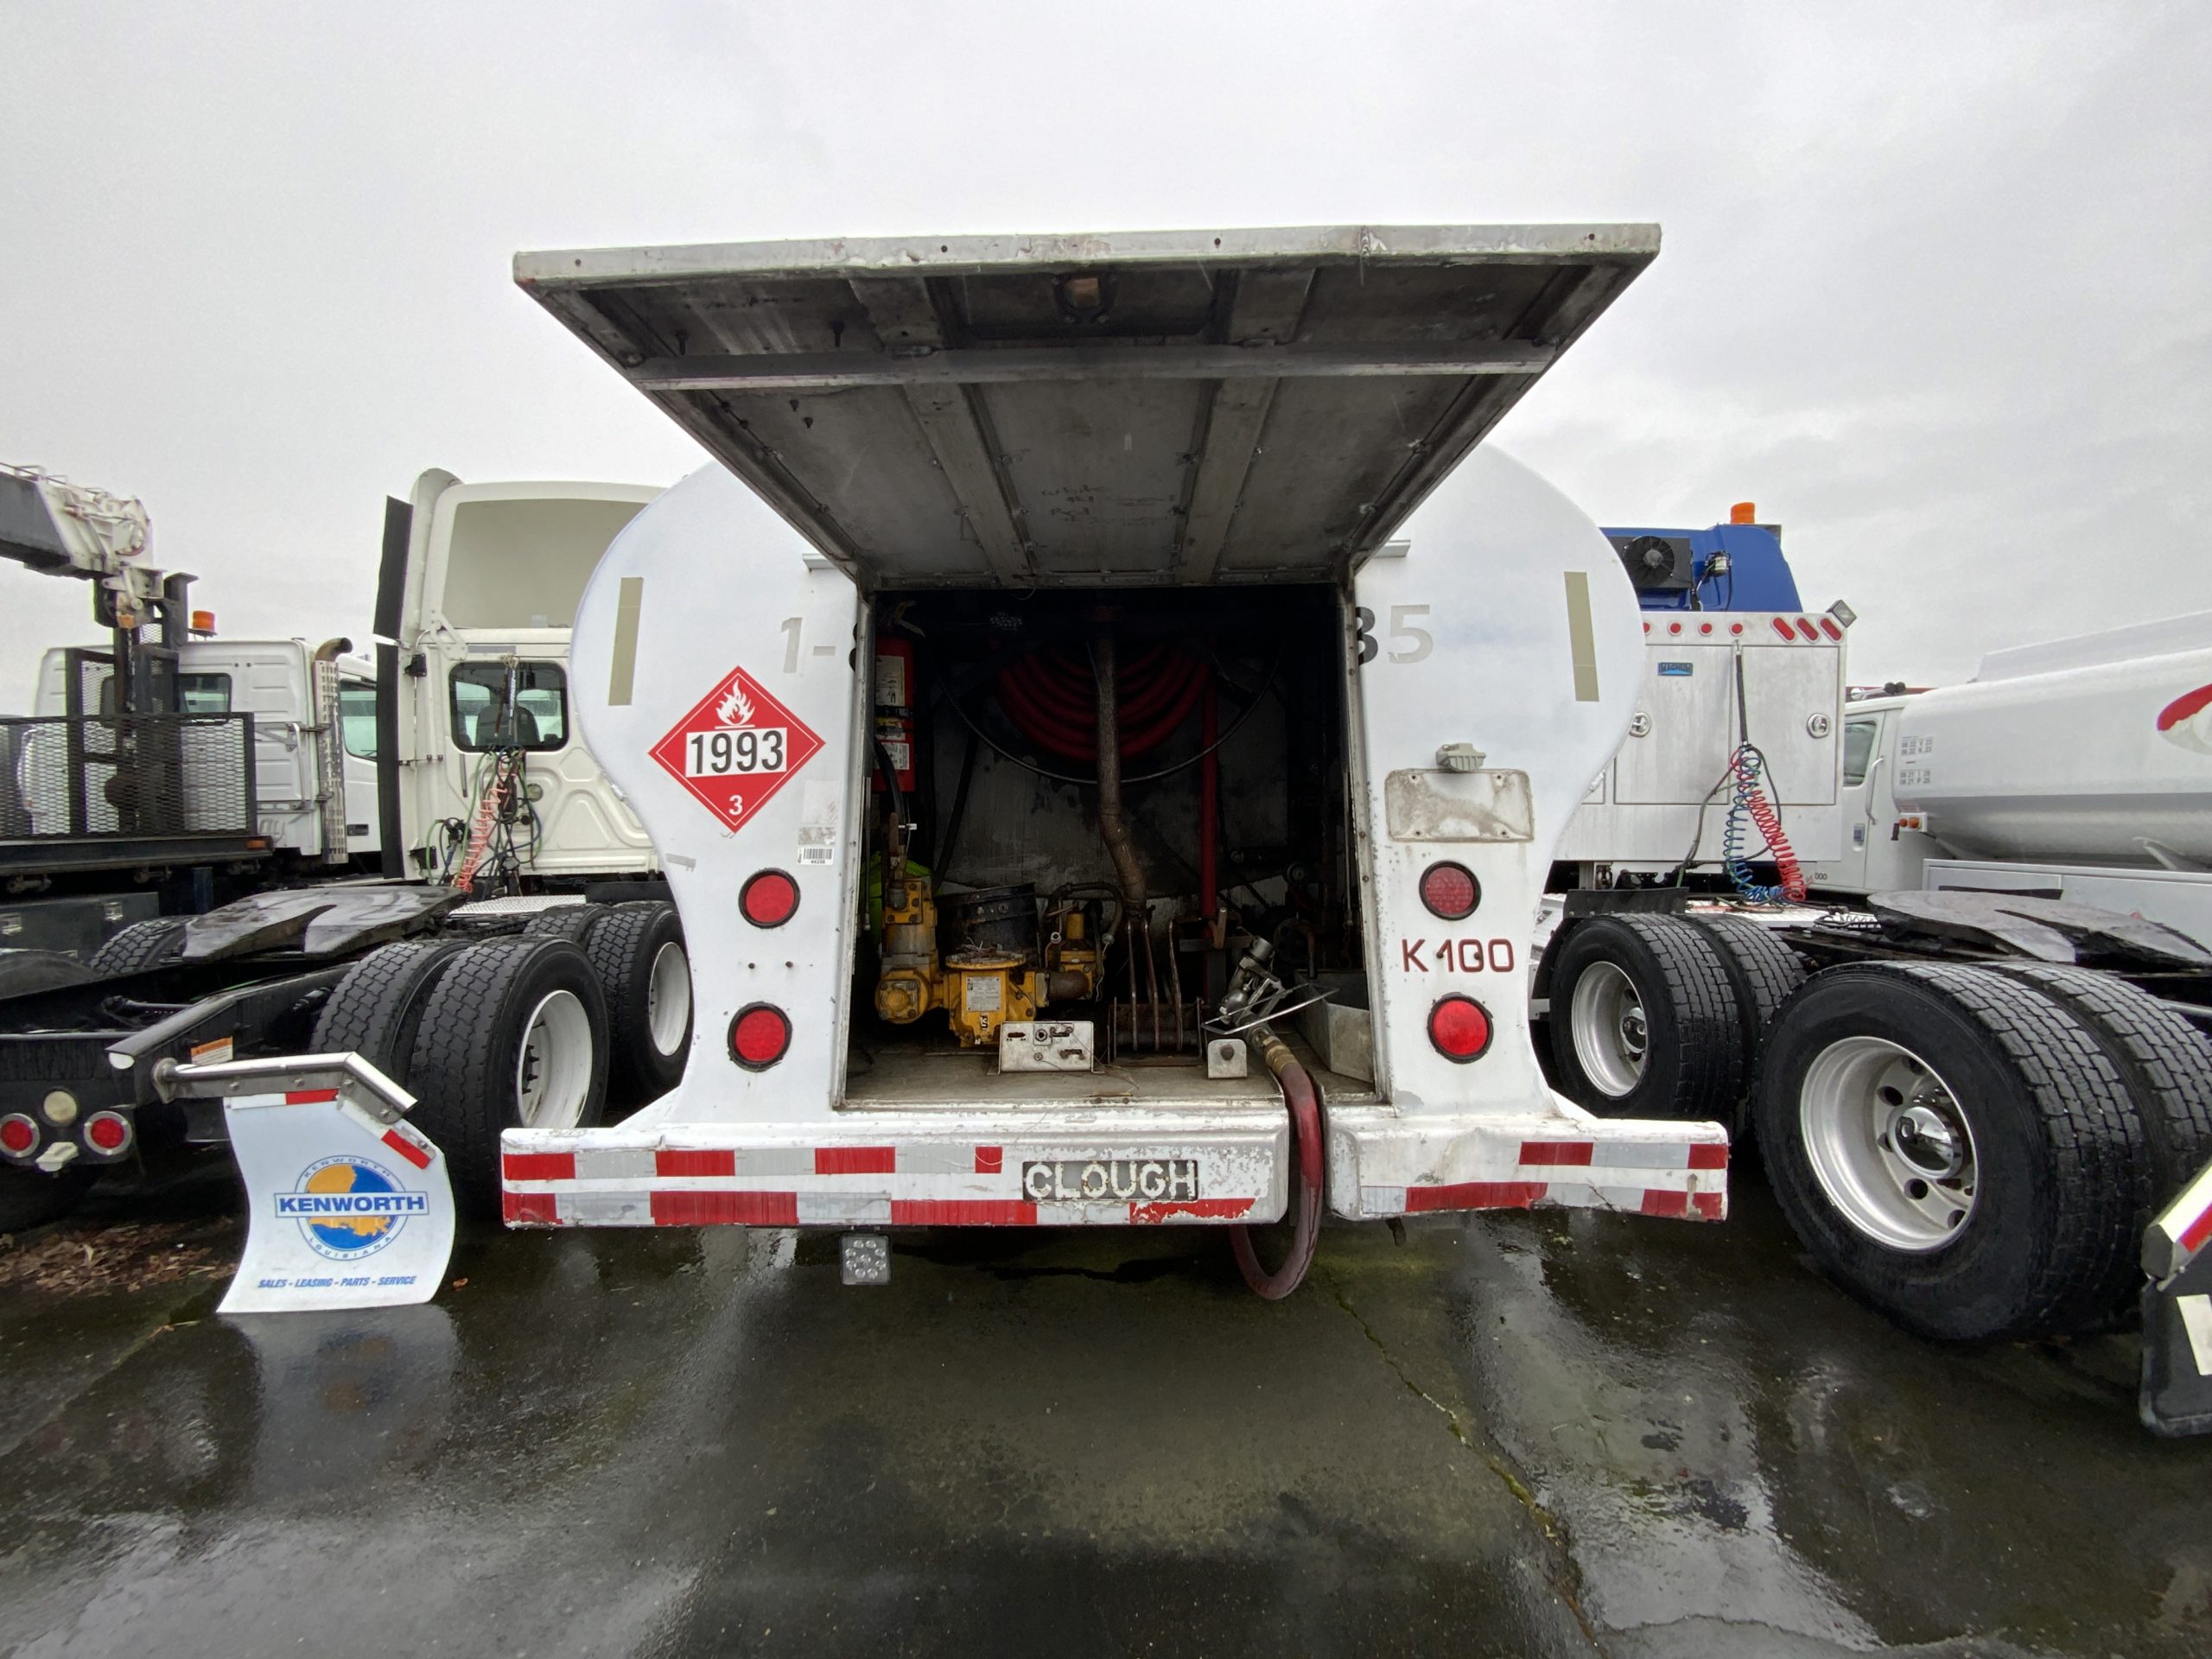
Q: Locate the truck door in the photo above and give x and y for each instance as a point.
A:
(1878, 855)
(357, 732)
(1861, 796)
(269, 680)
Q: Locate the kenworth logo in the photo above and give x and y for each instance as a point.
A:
(348, 1207)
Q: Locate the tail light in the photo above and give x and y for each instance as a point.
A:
(768, 899)
(18, 1136)
(1461, 1028)
(1450, 891)
(760, 1036)
(107, 1132)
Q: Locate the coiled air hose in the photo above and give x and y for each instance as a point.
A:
(1749, 802)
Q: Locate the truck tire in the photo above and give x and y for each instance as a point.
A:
(637, 952)
(1761, 971)
(23, 973)
(573, 922)
(31, 1198)
(141, 946)
(376, 1008)
(1644, 1023)
(513, 1036)
(2165, 1060)
(1954, 1147)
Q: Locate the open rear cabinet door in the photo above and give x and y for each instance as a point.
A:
(1125, 409)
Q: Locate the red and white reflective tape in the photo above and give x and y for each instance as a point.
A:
(1684, 1179)
(400, 1137)
(2182, 1230)
(589, 1178)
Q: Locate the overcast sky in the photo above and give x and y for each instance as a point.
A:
(1936, 290)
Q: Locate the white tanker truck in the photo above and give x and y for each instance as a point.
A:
(2080, 769)
(1040, 703)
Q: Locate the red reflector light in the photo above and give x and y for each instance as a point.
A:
(759, 1036)
(1705, 627)
(18, 1134)
(1808, 630)
(1459, 1026)
(1828, 627)
(1781, 627)
(1735, 627)
(1674, 627)
(108, 1131)
(768, 898)
(1450, 891)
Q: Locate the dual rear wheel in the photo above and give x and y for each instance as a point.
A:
(588, 1008)
(1973, 1150)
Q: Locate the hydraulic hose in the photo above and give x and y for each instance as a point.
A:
(1049, 700)
(1113, 829)
(1304, 1104)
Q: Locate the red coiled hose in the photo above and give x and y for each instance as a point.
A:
(1305, 1108)
(1756, 802)
(1051, 698)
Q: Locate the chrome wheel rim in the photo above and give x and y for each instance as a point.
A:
(1613, 1037)
(1888, 1144)
(553, 1068)
(668, 998)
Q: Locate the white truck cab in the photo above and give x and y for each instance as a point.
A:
(316, 791)
(1883, 849)
(480, 587)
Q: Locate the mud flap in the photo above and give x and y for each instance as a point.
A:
(2177, 1396)
(347, 1205)
(2177, 1392)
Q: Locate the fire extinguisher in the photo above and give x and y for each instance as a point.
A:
(895, 697)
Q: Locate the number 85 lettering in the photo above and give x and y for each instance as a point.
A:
(1417, 643)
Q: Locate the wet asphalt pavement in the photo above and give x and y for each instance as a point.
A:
(1560, 1433)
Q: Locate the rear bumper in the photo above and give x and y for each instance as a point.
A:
(1382, 1164)
(1100, 1167)
(1024, 1168)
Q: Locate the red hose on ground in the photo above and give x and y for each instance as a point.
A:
(1305, 1108)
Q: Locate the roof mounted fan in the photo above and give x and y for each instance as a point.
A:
(1655, 562)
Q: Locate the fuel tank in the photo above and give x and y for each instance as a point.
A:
(2096, 749)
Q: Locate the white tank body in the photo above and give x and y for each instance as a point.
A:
(2095, 750)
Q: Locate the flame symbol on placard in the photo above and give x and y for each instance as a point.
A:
(2188, 719)
(734, 710)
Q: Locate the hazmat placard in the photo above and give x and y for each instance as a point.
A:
(737, 749)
